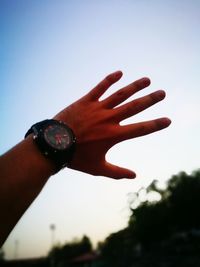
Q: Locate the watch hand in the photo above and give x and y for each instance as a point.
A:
(58, 139)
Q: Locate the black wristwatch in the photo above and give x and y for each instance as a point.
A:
(55, 140)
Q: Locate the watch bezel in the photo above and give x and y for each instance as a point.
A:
(48, 148)
(61, 157)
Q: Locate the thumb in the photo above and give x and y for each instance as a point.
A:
(117, 172)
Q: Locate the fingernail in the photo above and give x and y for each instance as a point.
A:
(131, 176)
(118, 74)
(160, 94)
(146, 81)
(166, 122)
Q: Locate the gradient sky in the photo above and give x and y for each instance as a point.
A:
(52, 53)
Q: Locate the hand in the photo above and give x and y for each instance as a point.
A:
(96, 124)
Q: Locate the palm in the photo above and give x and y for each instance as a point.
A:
(96, 124)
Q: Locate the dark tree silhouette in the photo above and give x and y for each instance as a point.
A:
(161, 233)
(64, 254)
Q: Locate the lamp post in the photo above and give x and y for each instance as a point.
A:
(16, 249)
(52, 228)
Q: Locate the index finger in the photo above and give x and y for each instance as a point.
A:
(100, 88)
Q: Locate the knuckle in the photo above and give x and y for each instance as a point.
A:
(120, 93)
(128, 109)
(141, 130)
(153, 97)
(109, 79)
(141, 83)
(136, 86)
(133, 108)
(136, 106)
(136, 131)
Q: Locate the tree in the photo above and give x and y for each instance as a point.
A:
(70, 250)
(1, 255)
(178, 209)
(161, 228)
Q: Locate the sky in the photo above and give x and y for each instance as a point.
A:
(54, 52)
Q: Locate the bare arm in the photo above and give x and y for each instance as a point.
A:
(96, 124)
(23, 173)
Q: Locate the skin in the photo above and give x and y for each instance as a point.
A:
(99, 124)
(96, 124)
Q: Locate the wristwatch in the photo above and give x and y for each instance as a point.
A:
(55, 140)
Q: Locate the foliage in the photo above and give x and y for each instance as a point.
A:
(1, 254)
(161, 232)
(176, 211)
(166, 230)
(70, 250)
(115, 249)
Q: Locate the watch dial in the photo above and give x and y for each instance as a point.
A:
(57, 136)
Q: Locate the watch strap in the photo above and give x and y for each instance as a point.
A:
(36, 125)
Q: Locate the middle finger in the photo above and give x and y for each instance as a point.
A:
(124, 93)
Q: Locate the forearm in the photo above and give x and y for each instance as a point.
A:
(23, 173)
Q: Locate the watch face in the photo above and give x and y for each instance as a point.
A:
(57, 136)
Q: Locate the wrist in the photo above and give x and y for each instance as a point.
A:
(55, 141)
(44, 165)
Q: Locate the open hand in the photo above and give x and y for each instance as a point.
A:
(96, 124)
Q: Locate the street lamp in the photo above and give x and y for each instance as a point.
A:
(52, 228)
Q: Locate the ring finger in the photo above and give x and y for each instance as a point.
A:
(127, 110)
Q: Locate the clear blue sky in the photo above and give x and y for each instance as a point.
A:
(53, 52)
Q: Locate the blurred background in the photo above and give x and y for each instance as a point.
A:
(51, 54)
